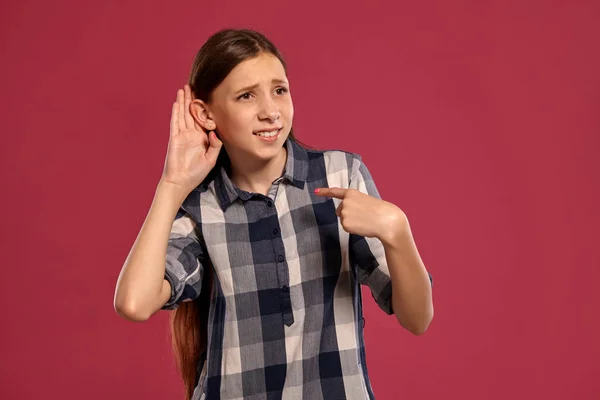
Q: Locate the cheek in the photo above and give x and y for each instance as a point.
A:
(287, 108)
(235, 119)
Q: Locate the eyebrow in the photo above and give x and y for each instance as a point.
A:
(248, 88)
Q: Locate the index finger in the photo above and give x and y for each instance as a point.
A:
(336, 192)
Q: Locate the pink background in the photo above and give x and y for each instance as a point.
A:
(480, 119)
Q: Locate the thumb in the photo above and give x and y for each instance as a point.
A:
(215, 146)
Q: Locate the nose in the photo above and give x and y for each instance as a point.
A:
(269, 110)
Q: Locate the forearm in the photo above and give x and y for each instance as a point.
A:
(411, 288)
(141, 280)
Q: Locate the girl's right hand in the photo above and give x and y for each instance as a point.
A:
(192, 152)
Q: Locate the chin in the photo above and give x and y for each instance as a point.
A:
(267, 151)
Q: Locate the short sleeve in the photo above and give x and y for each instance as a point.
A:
(367, 255)
(184, 262)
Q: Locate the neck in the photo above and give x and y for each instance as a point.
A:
(257, 176)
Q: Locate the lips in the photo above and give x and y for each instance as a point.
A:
(274, 135)
(268, 130)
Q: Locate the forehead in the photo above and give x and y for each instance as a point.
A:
(261, 69)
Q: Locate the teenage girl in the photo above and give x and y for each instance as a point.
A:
(260, 244)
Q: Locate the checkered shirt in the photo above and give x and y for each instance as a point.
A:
(285, 318)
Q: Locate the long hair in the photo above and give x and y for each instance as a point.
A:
(219, 55)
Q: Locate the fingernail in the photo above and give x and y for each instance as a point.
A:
(317, 191)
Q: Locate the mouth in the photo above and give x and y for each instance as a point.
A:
(268, 136)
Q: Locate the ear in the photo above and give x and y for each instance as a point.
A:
(202, 116)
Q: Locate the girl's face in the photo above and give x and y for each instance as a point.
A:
(254, 97)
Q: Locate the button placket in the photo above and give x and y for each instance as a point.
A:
(281, 267)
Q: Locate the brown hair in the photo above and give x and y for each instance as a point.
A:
(219, 55)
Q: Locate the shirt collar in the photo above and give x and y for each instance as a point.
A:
(296, 171)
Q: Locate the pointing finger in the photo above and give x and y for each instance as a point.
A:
(338, 193)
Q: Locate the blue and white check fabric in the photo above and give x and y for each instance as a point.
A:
(285, 318)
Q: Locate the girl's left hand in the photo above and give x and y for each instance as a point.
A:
(366, 215)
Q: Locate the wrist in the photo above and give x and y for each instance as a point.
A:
(172, 190)
(397, 232)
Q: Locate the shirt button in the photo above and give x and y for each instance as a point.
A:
(280, 258)
(270, 203)
(275, 231)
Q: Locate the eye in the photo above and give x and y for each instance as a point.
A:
(281, 90)
(244, 96)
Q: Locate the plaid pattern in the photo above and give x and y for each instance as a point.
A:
(285, 316)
